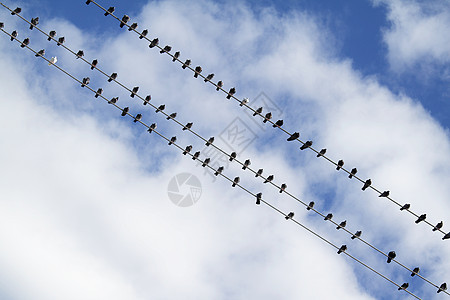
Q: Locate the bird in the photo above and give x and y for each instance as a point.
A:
(342, 249)
(167, 48)
(137, 118)
(153, 127)
(352, 173)
(384, 194)
(160, 108)
(134, 91)
(88, 1)
(143, 34)
(13, 35)
(86, 81)
(391, 256)
(278, 123)
(94, 64)
(283, 187)
(258, 111)
(187, 126)
(80, 54)
(219, 85)
(147, 99)
(2, 25)
(267, 117)
(447, 236)
(187, 149)
(125, 111)
(209, 77)
(367, 183)
(235, 181)
(186, 64)
(232, 156)
(176, 55)
(53, 60)
(258, 198)
(113, 100)
(51, 35)
(438, 226)
(196, 155)
(259, 172)
(404, 286)
(246, 164)
(34, 22)
(125, 19)
(357, 234)
(210, 141)
(289, 215)
(293, 136)
(172, 140)
(171, 116)
(305, 145)
(341, 225)
(310, 205)
(268, 179)
(154, 43)
(321, 152)
(40, 53)
(243, 102)
(133, 27)
(421, 218)
(328, 217)
(231, 92)
(406, 206)
(206, 161)
(442, 288)
(61, 41)
(112, 77)
(197, 71)
(219, 171)
(415, 271)
(110, 10)
(17, 10)
(25, 42)
(98, 93)
(339, 164)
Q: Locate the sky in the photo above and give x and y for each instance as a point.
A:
(85, 208)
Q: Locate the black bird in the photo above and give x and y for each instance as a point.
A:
(352, 173)
(268, 179)
(339, 164)
(125, 19)
(186, 64)
(258, 111)
(406, 206)
(133, 27)
(176, 55)
(310, 205)
(235, 181)
(40, 53)
(80, 54)
(421, 218)
(307, 144)
(259, 172)
(209, 77)
(147, 99)
(283, 187)
(196, 155)
(13, 35)
(134, 91)
(16, 11)
(366, 184)
(384, 194)
(442, 288)
(231, 92)
(267, 117)
(206, 161)
(322, 152)
(143, 34)
(112, 77)
(98, 93)
(391, 256)
(110, 10)
(61, 41)
(438, 226)
(25, 42)
(94, 64)
(328, 217)
(171, 116)
(278, 123)
(219, 171)
(160, 108)
(153, 127)
(154, 43)
(34, 22)
(197, 71)
(342, 249)
(243, 102)
(258, 198)
(232, 156)
(404, 286)
(86, 81)
(187, 126)
(88, 1)
(173, 140)
(187, 149)
(167, 48)
(137, 118)
(293, 136)
(246, 164)
(210, 141)
(219, 85)
(51, 35)
(125, 111)
(113, 100)
(357, 234)
(415, 271)
(289, 215)
(341, 225)
(2, 25)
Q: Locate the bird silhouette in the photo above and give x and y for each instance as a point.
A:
(94, 64)
(176, 55)
(160, 108)
(17, 10)
(133, 27)
(367, 183)
(438, 226)
(357, 234)
(341, 225)
(328, 217)
(186, 64)
(209, 77)
(231, 92)
(125, 19)
(268, 179)
(34, 22)
(384, 194)
(197, 71)
(342, 249)
(219, 85)
(98, 93)
(232, 156)
(406, 206)
(134, 91)
(278, 123)
(307, 144)
(219, 171)
(210, 141)
(86, 81)
(80, 54)
(137, 118)
(246, 164)
(113, 100)
(442, 288)
(259, 172)
(51, 35)
(415, 271)
(153, 127)
(206, 161)
(322, 152)
(13, 35)
(352, 173)
(196, 155)
(404, 286)
(339, 164)
(235, 181)
(391, 256)
(154, 43)
(40, 53)
(187, 149)
(61, 41)
(147, 99)
(112, 77)
(171, 116)
(310, 205)
(283, 187)
(110, 10)
(294, 136)
(267, 117)
(143, 34)
(258, 111)
(187, 126)
(166, 48)
(125, 111)
(25, 42)
(421, 218)
(289, 215)
(258, 198)
(172, 139)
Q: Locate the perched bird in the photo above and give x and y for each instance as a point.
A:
(112, 77)
(153, 127)
(85, 82)
(341, 225)
(321, 152)
(196, 155)
(113, 100)
(231, 92)
(219, 85)
(110, 10)
(125, 19)
(289, 215)
(133, 27)
(438, 226)
(134, 91)
(366, 184)
(137, 118)
(51, 35)
(339, 164)
(154, 43)
(187, 149)
(278, 123)
(258, 198)
(94, 64)
(391, 256)
(176, 55)
(98, 93)
(310, 205)
(61, 41)
(404, 286)
(187, 126)
(352, 173)
(268, 179)
(415, 271)
(206, 161)
(235, 181)
(13, 35)
(210, 141)
(143, 34)
(232, 156)
(246, 164)
(147, 99)
(243, 102)
(219, 171)
(357, 234)
(259, 172)
(80, 54)
(406, 206)
(442, 288)
(293, 136)
(167, 48)
(88, 1)
(267, 117)
(209, 77)
(171, 116)
(2, 25)
(160, 108)
(16, 11)
(305, 145)
(172, 140)
(384, 194)
(186, 64)
(421, 218)
(283, 187)
(40, 53)
(34, 22)
(53, 60)
(258, 111)
(125, 111)
(25, 42)
(197, 71)
(328, 217)
(342, 249)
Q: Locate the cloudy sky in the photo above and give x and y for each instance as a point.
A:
(84, 206)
